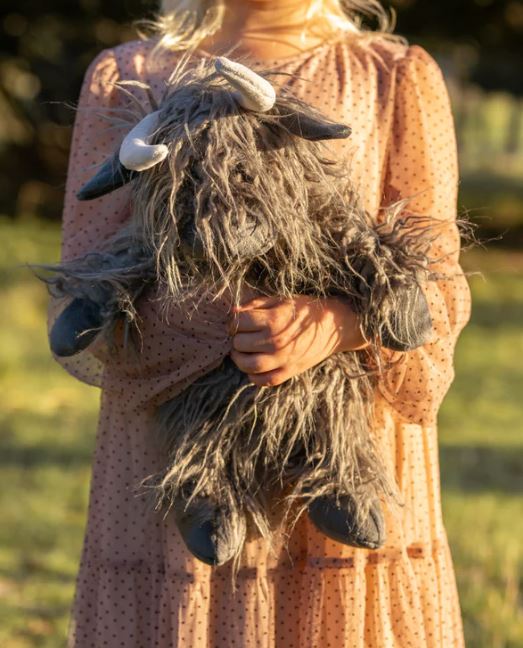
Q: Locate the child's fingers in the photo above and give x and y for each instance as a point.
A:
(256, 363)
(247, 321)
(252, 320)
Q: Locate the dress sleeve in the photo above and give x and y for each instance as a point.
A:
(422, 167)
(85, 225)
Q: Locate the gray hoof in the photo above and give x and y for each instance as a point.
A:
(75, 328)
(210, 533)
(411, 324)
(340, 523)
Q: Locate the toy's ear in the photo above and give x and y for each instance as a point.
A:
(111, 175)
(314, 128)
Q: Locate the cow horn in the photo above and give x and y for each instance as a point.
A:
(253, 91)
(136, 153)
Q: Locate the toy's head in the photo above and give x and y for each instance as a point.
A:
(229, 176)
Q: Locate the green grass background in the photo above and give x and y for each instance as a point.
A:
(48, 421)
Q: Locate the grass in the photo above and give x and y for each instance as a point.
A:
(47, 424)
(481, 454)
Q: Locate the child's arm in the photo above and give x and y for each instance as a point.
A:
(88, 224)
(423, 167)
(85, 226)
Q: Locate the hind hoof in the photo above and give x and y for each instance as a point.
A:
(339, 522)
(211, 534)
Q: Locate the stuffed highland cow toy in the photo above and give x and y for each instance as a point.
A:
(232, 190)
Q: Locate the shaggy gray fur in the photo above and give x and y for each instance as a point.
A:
(242, 201)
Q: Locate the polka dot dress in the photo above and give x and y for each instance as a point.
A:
(138, 586)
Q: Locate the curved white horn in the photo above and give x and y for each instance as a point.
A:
(136, 153)
(254, 92)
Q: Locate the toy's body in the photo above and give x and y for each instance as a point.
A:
(234, 198)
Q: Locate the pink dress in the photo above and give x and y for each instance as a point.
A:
(138, 586)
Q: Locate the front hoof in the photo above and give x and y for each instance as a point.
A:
(340, 523)
(410, 325)
(212, 534)
(75, 328)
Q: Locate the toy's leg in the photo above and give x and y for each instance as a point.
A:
(340, 523)
(210, 533)
(211, 523)
(76, 327)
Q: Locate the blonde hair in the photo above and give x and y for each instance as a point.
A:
(183, 24)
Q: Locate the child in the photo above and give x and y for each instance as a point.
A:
(138, 585)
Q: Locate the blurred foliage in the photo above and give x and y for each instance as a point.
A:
(490, 137)
(46, 47)
(47, 430)
(486, 36)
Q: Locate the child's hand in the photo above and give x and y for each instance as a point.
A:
(274, 340)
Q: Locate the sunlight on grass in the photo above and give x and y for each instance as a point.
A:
(47, 424)
(48, 421)
(481, 455)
